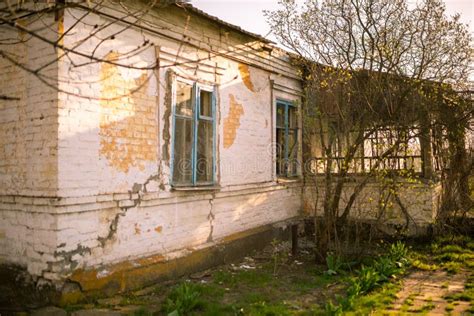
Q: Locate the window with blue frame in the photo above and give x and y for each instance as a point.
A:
(193, 155)
(286, 139)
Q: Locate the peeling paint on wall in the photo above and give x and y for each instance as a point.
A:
(245, 75)
(60, 18)
(166, 117)
(138, 231)
(128, 131)
(232, 121)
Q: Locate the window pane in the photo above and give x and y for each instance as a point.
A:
(280, 115)
(204, 152)
(292, 117)
(280, 152)
(292, 152)
(184, 99)
(182, 165)
(206, 104)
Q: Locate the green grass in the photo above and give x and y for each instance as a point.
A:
(424, 266)
(254, 278)
(426, 307)
(449, 307)
(183, 299)
(142, 311)
(379, 299)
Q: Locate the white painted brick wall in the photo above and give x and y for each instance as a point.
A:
(421, 200)
(73, 229)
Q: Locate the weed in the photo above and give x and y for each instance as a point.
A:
(452, 267)
(386, 268)
(470, 245)
(333, 263)
(377, 300)
(371, 277)
(450, 248)
(183, 299)
(254, 278)
(427, 307)
(368, 278)
(142, 311)
(466, 296)
(265, 309)
(72, 308)
(252, 297)
(279, 255)
(224, 277)
(449, 307)
(305, 283)
(408, 301)
(404, 308)
(333, 309)
(424, 266)
(398, 251)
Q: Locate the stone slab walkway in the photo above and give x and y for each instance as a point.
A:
(424, 292)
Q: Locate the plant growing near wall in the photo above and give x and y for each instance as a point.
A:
(372, 276)
(279, 255)
(183, 299)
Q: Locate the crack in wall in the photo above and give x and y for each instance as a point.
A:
(67, 255)
(137, 188)
(210, 218)
(66, 260)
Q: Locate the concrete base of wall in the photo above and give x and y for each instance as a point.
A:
(134, 274)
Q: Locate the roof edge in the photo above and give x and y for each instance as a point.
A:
(188, 6)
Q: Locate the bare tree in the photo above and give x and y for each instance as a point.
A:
(374, 67)
(42, 22)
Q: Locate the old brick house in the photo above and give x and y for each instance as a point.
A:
(143, 168)
(176, 148)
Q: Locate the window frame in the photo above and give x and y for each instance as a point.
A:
(195, 118)
(287, 105)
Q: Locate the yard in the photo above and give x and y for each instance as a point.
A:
(396, 278)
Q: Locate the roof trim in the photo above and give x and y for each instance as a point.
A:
(189, 7)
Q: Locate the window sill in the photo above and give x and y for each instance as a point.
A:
(197, 188)
(284, 180)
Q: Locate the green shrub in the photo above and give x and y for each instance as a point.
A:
(398, 251)
(183, 299)
(386, 268)
(333, 263)
(368, 278)
(333, 309)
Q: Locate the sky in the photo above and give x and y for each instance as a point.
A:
(248, 13)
